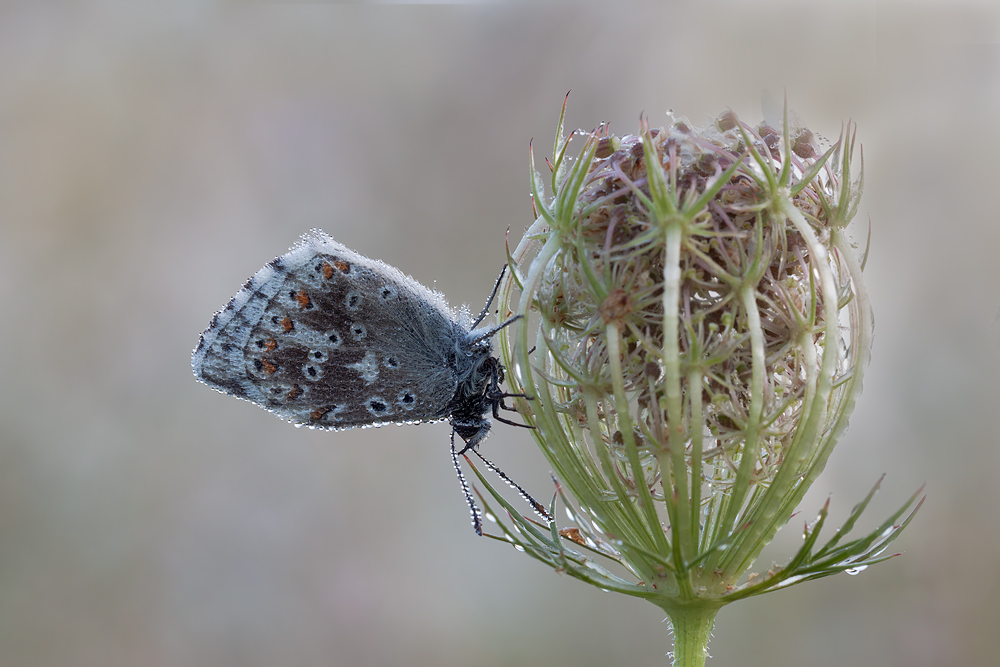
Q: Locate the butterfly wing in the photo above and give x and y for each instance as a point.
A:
(325, 337)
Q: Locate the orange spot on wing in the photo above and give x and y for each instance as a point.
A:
(268, 366)
(342, 265)
(302, 298)
(271, 345)
(327, 270)
(287, 324)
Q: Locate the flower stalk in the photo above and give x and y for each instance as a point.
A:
(695, 334)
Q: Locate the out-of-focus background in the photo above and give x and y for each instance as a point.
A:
(152, 160)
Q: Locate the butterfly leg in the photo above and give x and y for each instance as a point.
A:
(535, 505)
(477, 521)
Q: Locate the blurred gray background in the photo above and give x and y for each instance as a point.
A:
(152, 160)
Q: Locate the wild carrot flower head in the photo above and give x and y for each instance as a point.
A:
(695, 333)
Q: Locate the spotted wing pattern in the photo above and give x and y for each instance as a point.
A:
(324, 337)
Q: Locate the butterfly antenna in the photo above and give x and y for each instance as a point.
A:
(489, 302)
(489, 333)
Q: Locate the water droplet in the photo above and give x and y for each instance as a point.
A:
(856, 570)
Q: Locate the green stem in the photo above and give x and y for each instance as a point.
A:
(692, 626)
